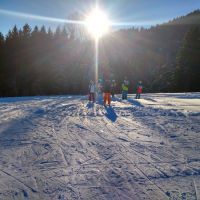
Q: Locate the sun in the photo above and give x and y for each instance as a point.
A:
(97, 23)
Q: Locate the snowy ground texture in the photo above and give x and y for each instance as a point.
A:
(64, 148)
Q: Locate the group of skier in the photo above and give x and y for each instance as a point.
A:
(108, 88)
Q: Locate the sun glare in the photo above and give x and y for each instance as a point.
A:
(97, 23)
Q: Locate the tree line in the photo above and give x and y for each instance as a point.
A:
(40, 61)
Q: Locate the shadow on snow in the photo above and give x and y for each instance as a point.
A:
(110, 114)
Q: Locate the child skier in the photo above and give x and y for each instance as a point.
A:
(100, 87)
(92, 91)
(125, 86)
(139, 90)
(107, 92)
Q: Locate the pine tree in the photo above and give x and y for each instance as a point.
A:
(1, 40)
(43, 30)
(57, 32)
(26, 31)
(35, 31)
(50, 33)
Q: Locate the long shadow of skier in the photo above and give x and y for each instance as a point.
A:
(110, 114)
(135, 102)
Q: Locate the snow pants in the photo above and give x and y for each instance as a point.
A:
(107, 98)
(124, 94)
(91, 96)
(113, 92)
(137, 96)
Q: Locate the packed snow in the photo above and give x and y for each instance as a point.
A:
(63, 147)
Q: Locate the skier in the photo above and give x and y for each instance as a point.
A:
(100, 86)
(113, 86)
(125, 86)
(107, 92)
(92, 91)
(139, 90)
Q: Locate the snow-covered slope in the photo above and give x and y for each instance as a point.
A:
(64, 148)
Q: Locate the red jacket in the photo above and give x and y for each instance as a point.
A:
(139, 89)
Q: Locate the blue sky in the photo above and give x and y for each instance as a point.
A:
(147, 12)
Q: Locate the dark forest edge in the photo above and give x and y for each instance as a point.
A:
(166, 58)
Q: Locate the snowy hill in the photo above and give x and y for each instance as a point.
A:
(64, 148)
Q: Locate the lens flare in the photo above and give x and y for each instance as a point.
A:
(97, 23)
(39, 17)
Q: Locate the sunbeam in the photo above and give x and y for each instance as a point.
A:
(83, 22)
(96, 59)
(38, 17)
(136, 23)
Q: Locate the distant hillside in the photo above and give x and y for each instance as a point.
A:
(150, 54)
(192, 18)
(182, 26)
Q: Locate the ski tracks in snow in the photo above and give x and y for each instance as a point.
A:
(66, 148)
